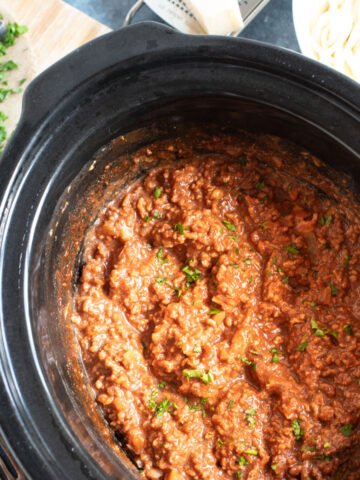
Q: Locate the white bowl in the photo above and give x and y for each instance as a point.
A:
(305, 14)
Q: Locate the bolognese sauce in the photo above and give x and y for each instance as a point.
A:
(218, 313)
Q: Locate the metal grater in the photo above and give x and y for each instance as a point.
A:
(249, 9)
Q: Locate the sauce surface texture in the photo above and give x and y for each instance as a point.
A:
(218, 312)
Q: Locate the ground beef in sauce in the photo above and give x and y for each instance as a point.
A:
(218, 313)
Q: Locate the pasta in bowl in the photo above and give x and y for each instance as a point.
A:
(329, 31)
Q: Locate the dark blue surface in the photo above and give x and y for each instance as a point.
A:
(273, 25)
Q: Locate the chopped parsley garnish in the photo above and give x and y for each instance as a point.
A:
(292, 249)
(247, 261)
(214, 311)
(297, 430)
(308, 448)
(230, 226)
(285, 279)
(220, 442)
(179, 228)
(318, 332)
(205, 377)
(313, 304)
(163, 407)
(234, 265)
(230, 403)
(233, 237)
(251, 451)
(321, 332)
(160, 256)
(147, 218)
(197, 349)
(325, 458)
(262, 226)
(346, 430)
(248, 362)
(157, 214)
(347, 261)
(242, 461)
(157, 192)
(13, 31)
(275, 260)
(250, 416)
(348, 329)
(8, 66)
(274, 467)
(334, 289)
(160, 280)
(161, 385)
(303, 346)
(192, 275)
(275, 355)
(152, 402)
(260, 185)
(326, 220)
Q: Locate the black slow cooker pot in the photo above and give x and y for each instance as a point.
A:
(132, 83)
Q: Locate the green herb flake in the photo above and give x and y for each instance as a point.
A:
(163, 407)
(347, 259)
(275, 355)
(251, 451)
(346, 430)
(298, 432)
(147, 218)
(234, 265)
(313, 304)
(251, 416)
(262, 226)
(160, 280)
(348, 329)
(274, 467)
(157, 192)
(303, 346)
(248, 362)
(324, 458)
(179, 228)
(157, 214)
(230, 403)
(247, 261)
(334, 289)
(214, 311)
(242, 461)
(275, 260)
(220, 442)
(205, 377)
(292, 249)
(152, 402)
(327, 445)
(197, 349)
(318, 332)
(326, 220)
(230, 226)
(160, 256)
(260, 185)
(192, 275)
(161, 385)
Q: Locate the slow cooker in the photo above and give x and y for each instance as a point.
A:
(140, 83)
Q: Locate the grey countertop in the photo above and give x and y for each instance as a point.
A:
(273, 24)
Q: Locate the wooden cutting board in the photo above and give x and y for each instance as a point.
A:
(55, 28)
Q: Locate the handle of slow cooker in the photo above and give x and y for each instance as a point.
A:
(46, 91)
